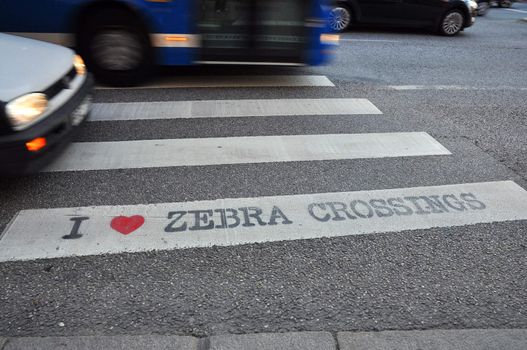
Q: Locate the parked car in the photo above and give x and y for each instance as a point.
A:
(448, 17)
(483, 7)
(503, 3)
(45, 94)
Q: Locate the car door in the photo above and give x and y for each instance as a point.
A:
(423, 12)
(380, 11)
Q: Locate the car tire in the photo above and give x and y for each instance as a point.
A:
(116, 49)
(505, 3)
(340, 18)
(483, 8)
(452, 23)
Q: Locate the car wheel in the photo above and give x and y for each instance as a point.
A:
(452, 23)
(505, 3)
(483, 8)
(116, 50)
(340, 18)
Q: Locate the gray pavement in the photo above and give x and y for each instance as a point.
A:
(472, 339)
(471, 99)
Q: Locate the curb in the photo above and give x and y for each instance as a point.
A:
(472, 339)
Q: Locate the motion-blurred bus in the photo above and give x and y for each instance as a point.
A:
(121, 40)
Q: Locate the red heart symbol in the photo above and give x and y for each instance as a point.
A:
(126, 225)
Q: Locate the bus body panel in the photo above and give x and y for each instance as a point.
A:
(57, 21)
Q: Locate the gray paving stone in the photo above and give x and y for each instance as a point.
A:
(140, 342)
(474, 339)
(2, 342)
(274, 341)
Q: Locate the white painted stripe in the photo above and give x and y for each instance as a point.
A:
(237, 81)
(65, 39)
(231, 108)
(514, 10)
(429, 87)
(453, 87)
(369, 40)
(35, 234)
(242, 150)
(256, 63)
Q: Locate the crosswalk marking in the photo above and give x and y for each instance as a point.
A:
(239, 150)
(231, 108)
(52, 233)
(237, 81)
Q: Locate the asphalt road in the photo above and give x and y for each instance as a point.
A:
(469, 93)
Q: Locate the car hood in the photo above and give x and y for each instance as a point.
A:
(28, 65)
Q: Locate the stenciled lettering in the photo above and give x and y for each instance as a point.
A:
(74, 233)
(322, 206)
(256, 212)
(353, 207)
(397, 205)
(171, 226)
(454, 203)
(201, 216)
(381, 208)
(278, 214)
(472, 202)
(435, 204)
(337, 208)
(414, 201)
(232, 215)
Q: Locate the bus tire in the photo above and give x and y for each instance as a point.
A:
(116, 48)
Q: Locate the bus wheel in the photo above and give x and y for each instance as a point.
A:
(116, 50)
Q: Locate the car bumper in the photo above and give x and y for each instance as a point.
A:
(472, 19)
(58, 128)
(473, 13)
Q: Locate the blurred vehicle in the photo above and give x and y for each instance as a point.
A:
(122, 39)
(503, 3)
(448, 17)
(483, 7)
(44, 96)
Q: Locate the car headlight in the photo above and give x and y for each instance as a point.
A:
(26, 109)
(79, 65)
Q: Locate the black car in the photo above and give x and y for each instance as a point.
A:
(503, 3)
(448, 17)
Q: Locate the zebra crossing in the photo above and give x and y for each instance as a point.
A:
(232, 109)
(241, 150)
(93, 230)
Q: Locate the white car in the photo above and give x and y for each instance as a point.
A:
(45, 94)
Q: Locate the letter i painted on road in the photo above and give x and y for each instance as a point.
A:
(77, 221)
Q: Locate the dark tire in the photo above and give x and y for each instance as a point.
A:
(483, 8)
(452, 23)
(505, 3)
(340, 18)
(116, 48)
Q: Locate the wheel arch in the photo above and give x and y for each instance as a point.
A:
(90, 8)
(462, 8)
(354, 6)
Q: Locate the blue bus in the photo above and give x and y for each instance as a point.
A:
(122, 39)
